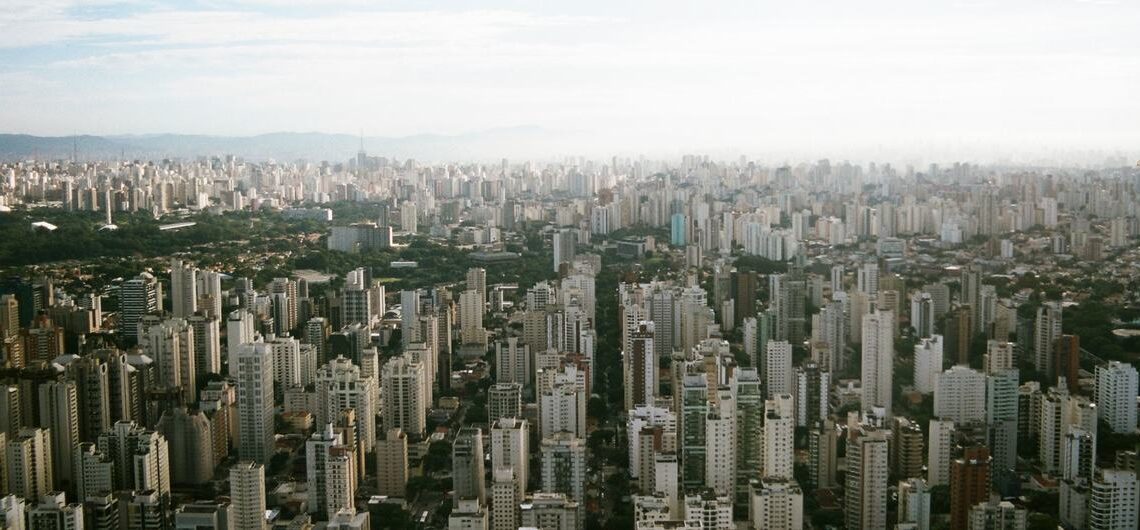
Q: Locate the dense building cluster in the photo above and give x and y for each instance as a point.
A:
(714, 345)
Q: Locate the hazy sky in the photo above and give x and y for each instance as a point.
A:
(811, 75)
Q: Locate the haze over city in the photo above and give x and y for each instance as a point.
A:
(989, 81)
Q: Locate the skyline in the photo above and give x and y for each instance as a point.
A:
(974, 78)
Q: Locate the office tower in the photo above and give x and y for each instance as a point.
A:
(1067, 360)
(504, 400)
(510, 449)
(171, 344)
(204, 515)
(927, 363)
(939, 445)
(907, 450)
(409, 314)
(565, 243)
(823, 442)
(11, 345)
(283, 294)
(922, 314)
(641, 366)
(59, 416)
(678, 230)
(512, 361)
(694, 407)
(402, 390)
(720, 446)
(997, 516)
(392, 464)
(779, 437)
(914, 504)
(471, 309)
(866, 489)
(467, 472)
(745, 285)
(776, 503)
(53, 512)
(247, 495)
(28, 457)
(477, 281)
(813, 388)
(141, 458)
(878, 359)
(191, 445)
(1113, 501)
(94, 471)
(662, 305)
(549, 511)
(1116, 388)
(207, 344)
(141, 295)
(778, 375)
(705, 509)
(342, 385)
(960, 395)
(256, 430)
(1047, 329)
(789, 294)
(183, 289)
(969, 483)
(564, 465)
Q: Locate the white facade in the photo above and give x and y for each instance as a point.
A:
(878, 359)
(927, 363)
(960, 395)
(1116, 388)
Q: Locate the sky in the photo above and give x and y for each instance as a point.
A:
(1023, 76)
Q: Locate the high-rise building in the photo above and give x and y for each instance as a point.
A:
(1047, 329)
(204, 515)
(247, 495)
(510, 448)
(960, 395)
(207, 344)
(969, 484)
(341, 386)
(405, 402)
(565, 243)
(922, 314)
(504, 499)
(549, 511)
(641, 366)
(779, 437)
(28, 457)
(59, 415)
(477, 281)
(914, 504)
(562, 408)
(1116, 388)
(823, 441)
(939, 445)
(749, 400)
(54, 512)
(564, 465)
(878, 359)
(997, 516)
(813, 388)
(504, 400)
(1114, 499)
(778, 376)
(467, 471)
(776, 503)
(141, 459)
(907, 455)
(927, 363)
(183, 289)
(190, 443)
(471, 308)
(392, 464)
(170, 343)
(866, 489)
(256, 429)
(512, 361)
(141, 295)
(721, 445)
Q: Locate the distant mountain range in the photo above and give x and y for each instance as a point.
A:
(282, 146)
